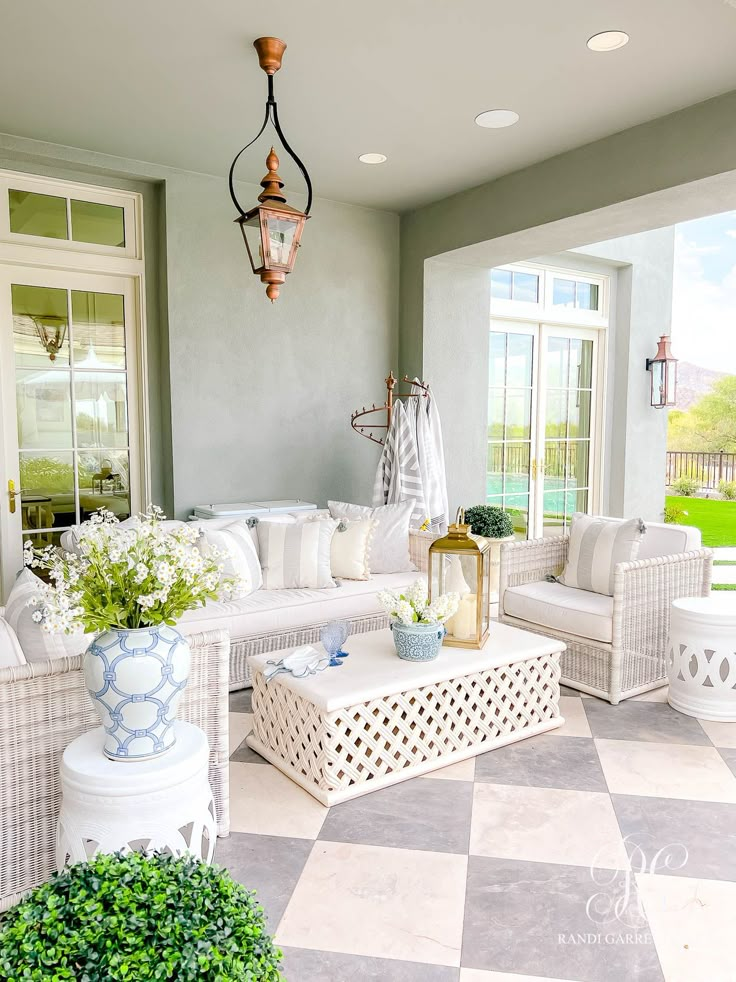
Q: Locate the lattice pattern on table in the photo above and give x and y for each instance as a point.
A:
(372, 739)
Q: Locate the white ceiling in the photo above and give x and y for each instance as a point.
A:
(177, 82)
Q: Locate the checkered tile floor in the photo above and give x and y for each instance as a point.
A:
(605, 850)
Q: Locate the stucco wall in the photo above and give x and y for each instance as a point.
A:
(260, 394)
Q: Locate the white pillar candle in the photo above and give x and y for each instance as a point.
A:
(462, 625)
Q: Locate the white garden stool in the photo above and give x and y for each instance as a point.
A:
(701, 657)
(164, 803)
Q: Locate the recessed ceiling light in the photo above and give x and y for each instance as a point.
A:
(495, 119)
(608, 40)
(373, 158)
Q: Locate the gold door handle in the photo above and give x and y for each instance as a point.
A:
(534, 470)
(13, 494)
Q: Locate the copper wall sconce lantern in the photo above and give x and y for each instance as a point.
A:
(272, 229)
(664, 375)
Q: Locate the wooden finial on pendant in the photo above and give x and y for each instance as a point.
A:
(272, 183)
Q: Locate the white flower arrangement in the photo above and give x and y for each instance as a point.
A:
(139, 576)
(412, 607)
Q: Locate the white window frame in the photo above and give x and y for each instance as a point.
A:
(129, 201)
(545, 310)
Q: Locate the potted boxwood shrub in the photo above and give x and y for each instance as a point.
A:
(136, 918)
(493, 523)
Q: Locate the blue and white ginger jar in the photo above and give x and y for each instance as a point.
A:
(135, 678)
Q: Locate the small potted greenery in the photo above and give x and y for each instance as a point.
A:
(491, 522)
(138, 918)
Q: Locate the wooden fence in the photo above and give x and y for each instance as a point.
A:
(709, 469)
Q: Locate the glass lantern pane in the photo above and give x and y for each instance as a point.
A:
(657, 383)
(458, 574)
(281, 233)
(251, 231)
(671, 383)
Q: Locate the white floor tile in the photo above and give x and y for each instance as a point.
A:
(546, 825)
(387, 903)
(654, 695)
(576, 722)
(669, 770)
(692, 925)
(265, 802)
(464, 770)
(721, 734)
(240, 726)
(476, 975)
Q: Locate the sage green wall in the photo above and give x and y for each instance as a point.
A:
(250, 399)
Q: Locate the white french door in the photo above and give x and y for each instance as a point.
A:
(70, 431)
(544, 424)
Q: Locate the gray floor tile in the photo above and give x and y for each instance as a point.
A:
(240, 701)
(531, 919)
(693, 838)
(302, 965)
(650, 722)
(729, 756)
(268, 864)
(245, 755)
(564, 691)
(544, 762)
(417, 814)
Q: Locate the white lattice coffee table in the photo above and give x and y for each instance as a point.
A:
(378, 720)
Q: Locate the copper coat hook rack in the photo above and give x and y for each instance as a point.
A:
(387, 407)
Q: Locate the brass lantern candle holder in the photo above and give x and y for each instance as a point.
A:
(460, 562)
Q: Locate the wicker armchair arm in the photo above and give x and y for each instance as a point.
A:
(643, 592)
(531, 561)
(419, 543)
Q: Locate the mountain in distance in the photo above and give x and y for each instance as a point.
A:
(694, 382)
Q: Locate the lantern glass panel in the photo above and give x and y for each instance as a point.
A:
(281, 231)
(251, 230)
(671, 383)
(468, 574)
(658, 394)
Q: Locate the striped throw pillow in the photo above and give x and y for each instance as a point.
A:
(239, 554)
(596, 546)
(296, 556)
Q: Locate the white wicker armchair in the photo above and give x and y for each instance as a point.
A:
(43, 707)
(628, 655)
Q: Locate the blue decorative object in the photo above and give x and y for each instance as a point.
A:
(346, 629)
(332, 637)
(418, 642)
(135, 678)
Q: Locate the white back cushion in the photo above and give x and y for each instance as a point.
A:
(11, 653)
(662, 539)
(296, 555)
(390, 547)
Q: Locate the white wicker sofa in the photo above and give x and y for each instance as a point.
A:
(616, 646)
(43, 707)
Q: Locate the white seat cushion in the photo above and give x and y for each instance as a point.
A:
(562, 608)
(270, 611)
(11, 653)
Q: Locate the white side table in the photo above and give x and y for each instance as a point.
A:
(111, 805)
(701, 657)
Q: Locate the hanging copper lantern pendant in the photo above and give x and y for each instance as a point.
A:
(272, 229)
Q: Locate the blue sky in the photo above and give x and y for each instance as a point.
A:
(704, 292)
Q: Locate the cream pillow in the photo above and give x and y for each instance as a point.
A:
(11, 654)
(351, 548)
(390, 546)
(38, 645)
(296, 555)
(239, 555)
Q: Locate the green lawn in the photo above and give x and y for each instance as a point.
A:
(715, 519)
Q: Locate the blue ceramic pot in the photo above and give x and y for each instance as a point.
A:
(418, 642)
(135, 678)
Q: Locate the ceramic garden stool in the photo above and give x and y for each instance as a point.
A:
(160, 804)
(701, 657)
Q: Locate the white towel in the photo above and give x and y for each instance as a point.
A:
(431, 459)
(398, 477)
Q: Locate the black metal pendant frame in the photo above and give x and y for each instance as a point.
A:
(272, 114)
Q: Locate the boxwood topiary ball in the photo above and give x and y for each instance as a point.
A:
(490, 521)
(137, 918)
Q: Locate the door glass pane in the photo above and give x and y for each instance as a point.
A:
(101, 409)
(104, 482)
(37, 214)
(494, 470)
(97, 223)
(44, 409)
(558, 362)
(47, 480)
(518, 414)
(555, 426)
(497, 364)
(579, 413)
(586, 296)
(519, 370)
(501, 284)
(99, 330)
(516, 468)
(525, 287)
(577, 464)
(40, 326)
(563, 293)
(281, 233)
(518, 508)
(496, 400)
